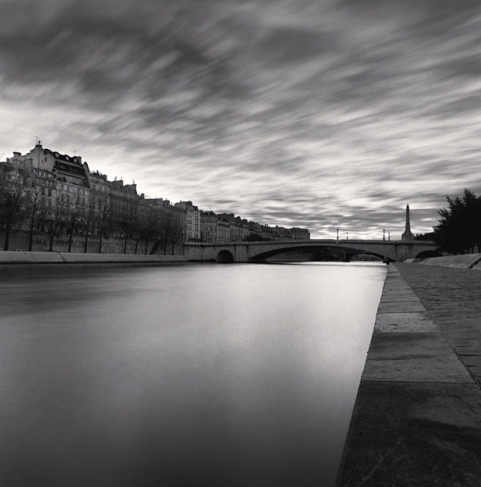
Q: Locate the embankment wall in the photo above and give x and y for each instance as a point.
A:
(72, 258)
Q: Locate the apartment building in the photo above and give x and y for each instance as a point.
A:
(208, 226)
(192, 222)
(66, 181)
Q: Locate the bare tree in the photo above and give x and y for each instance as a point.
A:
(56, 218)
(104, 221)
(35, 211)
(152, 227)
(127, 224)
(12, 196)
(169, 230)
(88, 221)
(177, 232)
(74, 219)
(139, 229)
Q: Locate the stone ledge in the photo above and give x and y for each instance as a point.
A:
(77, 258)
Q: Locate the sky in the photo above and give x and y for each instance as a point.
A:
(325, 114)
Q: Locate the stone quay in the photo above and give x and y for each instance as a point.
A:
(20, 257)
(417, 416)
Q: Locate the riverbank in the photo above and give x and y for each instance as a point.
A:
(417, 417)
(77, 258)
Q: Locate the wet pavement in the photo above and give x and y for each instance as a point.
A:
(417, 417)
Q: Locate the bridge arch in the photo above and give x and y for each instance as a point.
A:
(357, 256)
(262, 256)
(334, 250)
(224, 257)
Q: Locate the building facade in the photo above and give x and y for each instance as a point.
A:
(192, 222)
(84, 202)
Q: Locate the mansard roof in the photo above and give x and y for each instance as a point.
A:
(64, 157)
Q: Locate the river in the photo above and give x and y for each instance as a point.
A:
(198, 375)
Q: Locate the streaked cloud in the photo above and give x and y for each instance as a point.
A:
(332, 114)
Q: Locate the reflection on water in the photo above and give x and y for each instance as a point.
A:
(203, 375)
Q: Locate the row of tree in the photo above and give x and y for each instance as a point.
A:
(23, 207)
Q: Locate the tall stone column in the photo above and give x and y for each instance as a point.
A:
(407, 235)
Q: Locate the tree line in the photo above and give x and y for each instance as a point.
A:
(24, 207)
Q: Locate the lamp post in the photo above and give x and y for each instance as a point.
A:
(347, 235)
(383, 234)
(338, 234)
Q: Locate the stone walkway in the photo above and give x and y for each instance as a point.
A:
(417, 417)
(452, 298)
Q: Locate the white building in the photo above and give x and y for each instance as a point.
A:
(192, 221)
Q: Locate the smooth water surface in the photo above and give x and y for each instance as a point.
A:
(199, 375)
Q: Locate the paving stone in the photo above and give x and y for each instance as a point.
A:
(397, 277)
(396, 298)
(413, 435)
(396, 289)
(403, 323)
(413, 357)
(473, 365)
(402, 307)
(464, 344)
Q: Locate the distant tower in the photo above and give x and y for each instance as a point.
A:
(407, 235)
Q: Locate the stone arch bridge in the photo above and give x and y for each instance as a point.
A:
(389, 250)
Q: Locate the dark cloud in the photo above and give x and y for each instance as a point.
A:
(324, 114)
(289, 45)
